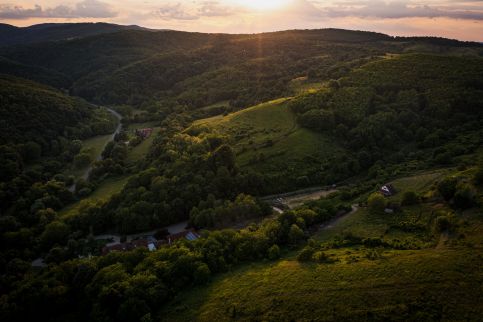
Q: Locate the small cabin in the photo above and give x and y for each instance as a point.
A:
(388, 190)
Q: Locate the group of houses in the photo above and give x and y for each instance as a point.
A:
(150, 242)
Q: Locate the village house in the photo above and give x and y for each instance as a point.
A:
(388, 190)
(151, 243)
(144, 133)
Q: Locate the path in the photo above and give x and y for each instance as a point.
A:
(331, 223)
(88, 171)
(443, 238)
(296, 198)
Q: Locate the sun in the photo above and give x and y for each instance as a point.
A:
(263, 4)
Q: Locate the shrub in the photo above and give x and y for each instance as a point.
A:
(82, 160)
(376, 203)
(274, 252)
(319, 257)
(409, 198)
(479, 176)
(202, 274)
(442, 223)
(465, 196)
(295, 234)
(306, 254)
(447, 188)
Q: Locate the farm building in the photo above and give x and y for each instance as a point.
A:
(388, 190)
(144, 133)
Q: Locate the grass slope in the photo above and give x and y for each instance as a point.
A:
(439, 280)
(108, 188)
(404, 284)
(267, 138)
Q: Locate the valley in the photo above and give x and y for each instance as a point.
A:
(300, 175)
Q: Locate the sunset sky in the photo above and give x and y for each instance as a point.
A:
(453, 19)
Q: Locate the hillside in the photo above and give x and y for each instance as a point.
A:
(390, 111)
(11, 35)
(45, 113)
(301, 175)
(267, 139)
(414, 274)
(168, 70)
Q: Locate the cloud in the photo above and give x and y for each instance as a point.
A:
(215, 9)
(84, 9)
(174, 12)
(401, 9)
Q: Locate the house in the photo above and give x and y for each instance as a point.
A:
(150, 243)
(144, 133)
(188, 234)
(388, 190)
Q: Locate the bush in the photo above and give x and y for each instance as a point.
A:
(320, 257)
(202, 274)
(376, 203)
(465, 196)
(274, 252)
(447, 188)
(82, 160)
(409, 198)
(306, 254)
(479, 176)
(442, 223)
(295, 234)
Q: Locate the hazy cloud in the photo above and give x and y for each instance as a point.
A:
(402, 9)
(174, 12)
(84, 9)
(215, 9)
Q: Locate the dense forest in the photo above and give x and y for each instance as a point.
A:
(231, 120)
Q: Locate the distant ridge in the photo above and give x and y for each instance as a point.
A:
(11, 35)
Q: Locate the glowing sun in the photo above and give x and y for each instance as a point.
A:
(263, 4)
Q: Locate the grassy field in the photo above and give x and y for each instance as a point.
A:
(302, 85)
(103, 192)
(267, 138)
(94, 147)
(364, 224)
(139, 152)
(436, 282)
(424, 285)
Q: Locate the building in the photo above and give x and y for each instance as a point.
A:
(187, 234)
(144, 133)
(388, 190)
(151, 243)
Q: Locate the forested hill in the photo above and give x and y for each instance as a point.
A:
(162, 70)
(11, 35)
(37, 120)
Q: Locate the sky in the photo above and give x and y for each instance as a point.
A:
(456, 19)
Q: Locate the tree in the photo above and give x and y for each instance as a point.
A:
(55, 233)
(479, 175)
(274, 252)
(409, 198)
(202, 274)
(30, 151)
(295, 234)
(82, 160)
(447, 188)
(376, 203)
(464, 196)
